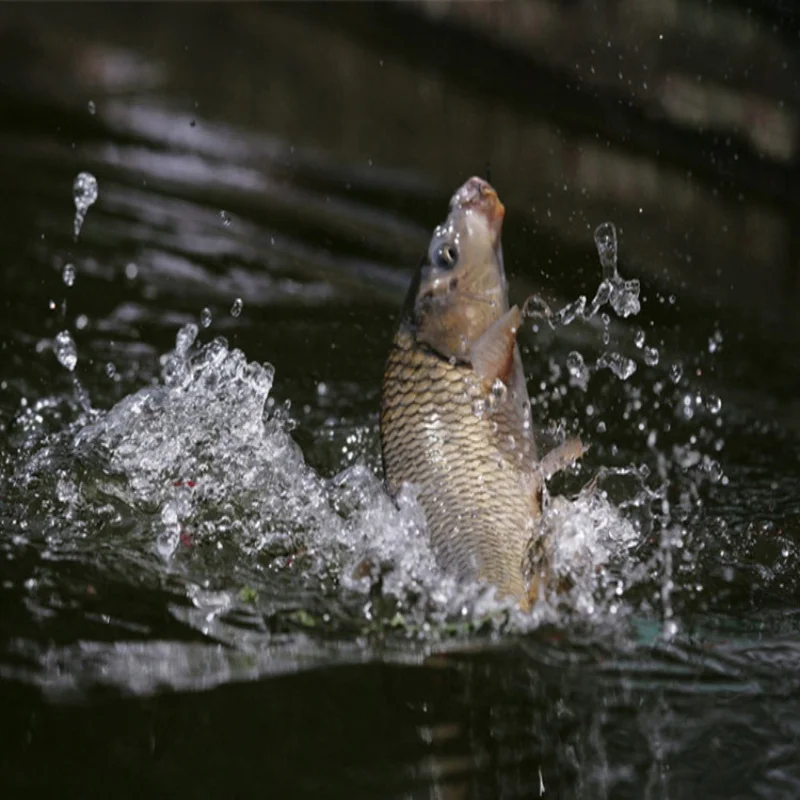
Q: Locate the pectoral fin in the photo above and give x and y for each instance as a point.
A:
(492, 354)
(561, 457)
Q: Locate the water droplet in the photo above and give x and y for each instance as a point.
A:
(575, 364)
(622, 366)
(225, 217)
(676, 372)
(713, 404)
(84, 195)
(478, 407)
(625, 297)
(605, 239)
(81, 322)
(68, 274)
(205, 317)
(92, 108)
(499, 389)
(714, 342)
(111, 370)
(66, 352)
(606, 322)
(714, 471)
(131, 271)
(638, 337)
(185, 338)
(236, 308)
(601, 427)
(572, 310)
(651, 356)
(600, 297)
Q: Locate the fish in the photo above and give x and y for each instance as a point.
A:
(455, 416)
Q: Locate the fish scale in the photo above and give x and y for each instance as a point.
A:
(475, 489)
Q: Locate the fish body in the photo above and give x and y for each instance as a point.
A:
(455, 413)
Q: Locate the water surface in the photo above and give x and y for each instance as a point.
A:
(189, 462)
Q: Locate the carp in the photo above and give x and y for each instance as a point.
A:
(455, 413)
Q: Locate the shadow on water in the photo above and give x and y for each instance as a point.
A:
(182, 524)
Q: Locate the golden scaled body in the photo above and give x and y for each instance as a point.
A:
(455, 413)
(473, 472)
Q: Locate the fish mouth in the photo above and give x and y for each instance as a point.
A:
(478, 195)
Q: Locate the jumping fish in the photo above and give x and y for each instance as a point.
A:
(455, 413)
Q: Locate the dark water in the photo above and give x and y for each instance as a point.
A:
(181, 521)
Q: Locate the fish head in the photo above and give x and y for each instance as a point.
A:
(460, 287)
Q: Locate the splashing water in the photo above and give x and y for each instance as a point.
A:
(203, 472)
(620, 365)
(84, 195)
(65, 350)
(623, 295)
(605, 239)
(68, 274)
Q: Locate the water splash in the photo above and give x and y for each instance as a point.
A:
(623, 295)
(605, 239)
(651, 356)
(204, 472)
(65, 350)
(84, 195)
(68, 274)
(620, 365)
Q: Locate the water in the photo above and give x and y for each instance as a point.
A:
(204, 587)
(65, 350)
(84, 195)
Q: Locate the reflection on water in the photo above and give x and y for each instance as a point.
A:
(198, 558)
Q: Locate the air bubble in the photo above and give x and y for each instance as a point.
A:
(236, 308)
(676, 372)
(205, 317)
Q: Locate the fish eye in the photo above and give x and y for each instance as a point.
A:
(446, 256)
